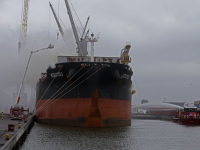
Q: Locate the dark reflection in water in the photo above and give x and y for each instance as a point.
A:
(142, 135)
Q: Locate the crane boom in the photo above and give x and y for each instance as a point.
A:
(74, 29)
(57, 21)
(85, 27)
(23, 30)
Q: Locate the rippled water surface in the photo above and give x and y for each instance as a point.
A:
(141, 135)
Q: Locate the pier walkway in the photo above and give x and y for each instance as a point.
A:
(16, 136)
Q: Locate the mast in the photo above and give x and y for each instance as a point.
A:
(80, 53)
(57, 21)
(92, 40)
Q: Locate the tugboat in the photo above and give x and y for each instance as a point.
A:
(188, 116)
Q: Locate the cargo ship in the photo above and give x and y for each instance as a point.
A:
(86, 91)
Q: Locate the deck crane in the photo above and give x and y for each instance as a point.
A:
(81, 43)
(83, 39)
(23, 28)
(80, 52)
(85, 28)
(124, 57)
(57, 21)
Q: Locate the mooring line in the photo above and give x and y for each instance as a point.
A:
(64, 89)
(61, 86)
(68, 91)
(47, 88)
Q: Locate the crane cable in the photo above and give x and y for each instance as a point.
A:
(59, 88)
(49, 25)
(77, 19)
(58, 19)
(73, 82)
(76, 25)
(58, 9)
(76, 14)
(70, 89)
(65, 88)
(63, 25)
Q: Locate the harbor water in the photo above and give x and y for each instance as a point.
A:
(141, 135)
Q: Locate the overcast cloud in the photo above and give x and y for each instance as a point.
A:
(164, 34)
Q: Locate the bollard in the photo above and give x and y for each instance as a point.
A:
(19, 126)
(7, 136)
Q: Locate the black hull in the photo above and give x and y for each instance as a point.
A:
(107, 81)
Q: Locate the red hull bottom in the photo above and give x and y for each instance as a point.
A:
(84, 112)
(186, 121)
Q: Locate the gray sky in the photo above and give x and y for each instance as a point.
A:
(164, 34)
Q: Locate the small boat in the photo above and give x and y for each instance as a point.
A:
(188, 116)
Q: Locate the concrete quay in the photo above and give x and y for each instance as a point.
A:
(17, 137)
(152, 117)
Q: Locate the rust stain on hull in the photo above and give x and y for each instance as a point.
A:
(94, 118)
